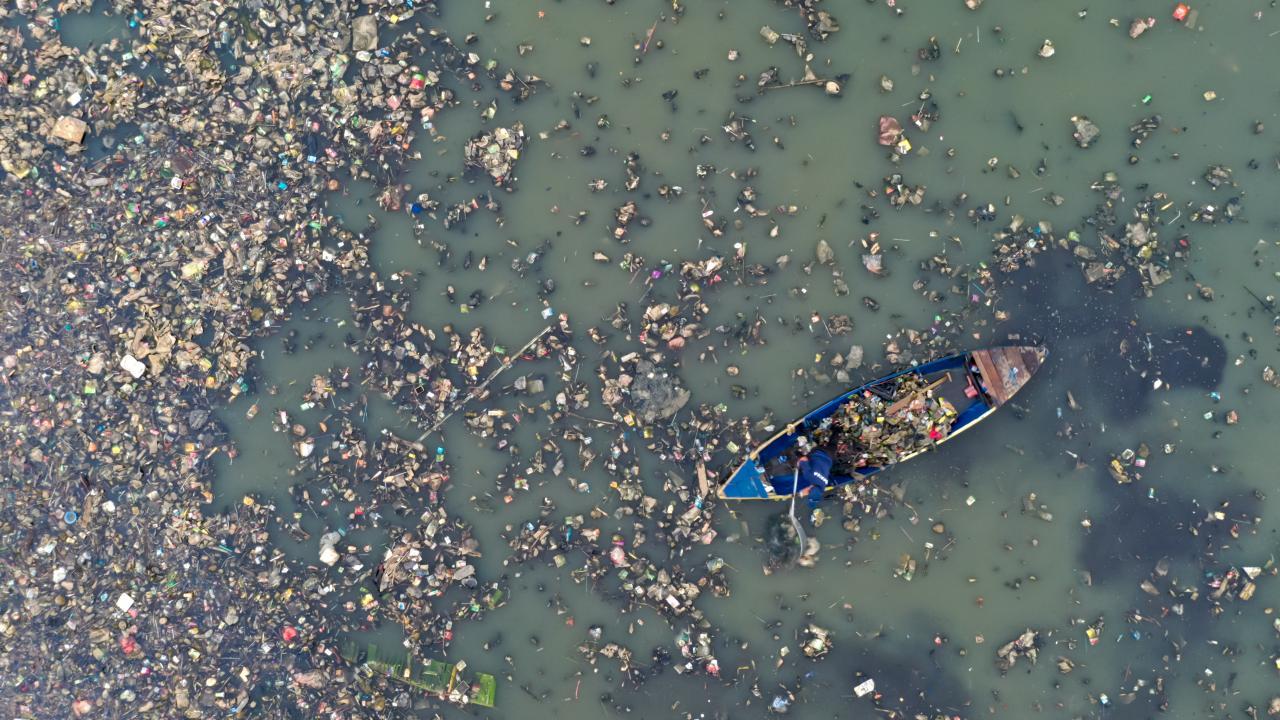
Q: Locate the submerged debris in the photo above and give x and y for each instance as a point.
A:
(816, 641)
(1085, 131)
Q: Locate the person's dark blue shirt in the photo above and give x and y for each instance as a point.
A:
(815, 473)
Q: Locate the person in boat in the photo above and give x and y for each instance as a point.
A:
(815, 473)
(975, 373)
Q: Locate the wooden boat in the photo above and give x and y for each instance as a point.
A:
(974, 383)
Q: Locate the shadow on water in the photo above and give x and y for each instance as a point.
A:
(1109, 358)
(909, 684)
(1113, 355)
(101, 145)
(1143, 529)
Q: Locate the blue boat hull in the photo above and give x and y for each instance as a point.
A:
(994, 373)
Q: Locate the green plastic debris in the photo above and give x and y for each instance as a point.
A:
(436, 677)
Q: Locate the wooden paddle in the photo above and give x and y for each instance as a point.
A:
(795, 485)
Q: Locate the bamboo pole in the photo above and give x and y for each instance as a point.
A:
(894, 408)
(476, 391)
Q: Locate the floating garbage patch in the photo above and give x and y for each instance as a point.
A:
(449, 325)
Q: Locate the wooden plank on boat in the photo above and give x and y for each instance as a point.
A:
(896, 407)
(1006, 369)
(989, 376)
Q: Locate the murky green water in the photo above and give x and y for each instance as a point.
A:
(997, 570)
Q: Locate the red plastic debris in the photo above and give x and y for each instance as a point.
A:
(1180, 11)
(289, 633)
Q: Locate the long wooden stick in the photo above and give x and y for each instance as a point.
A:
(1266, 305)
(800, 536)
(649, 37)
(794, 83)
(894, 408)
(506, 363)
